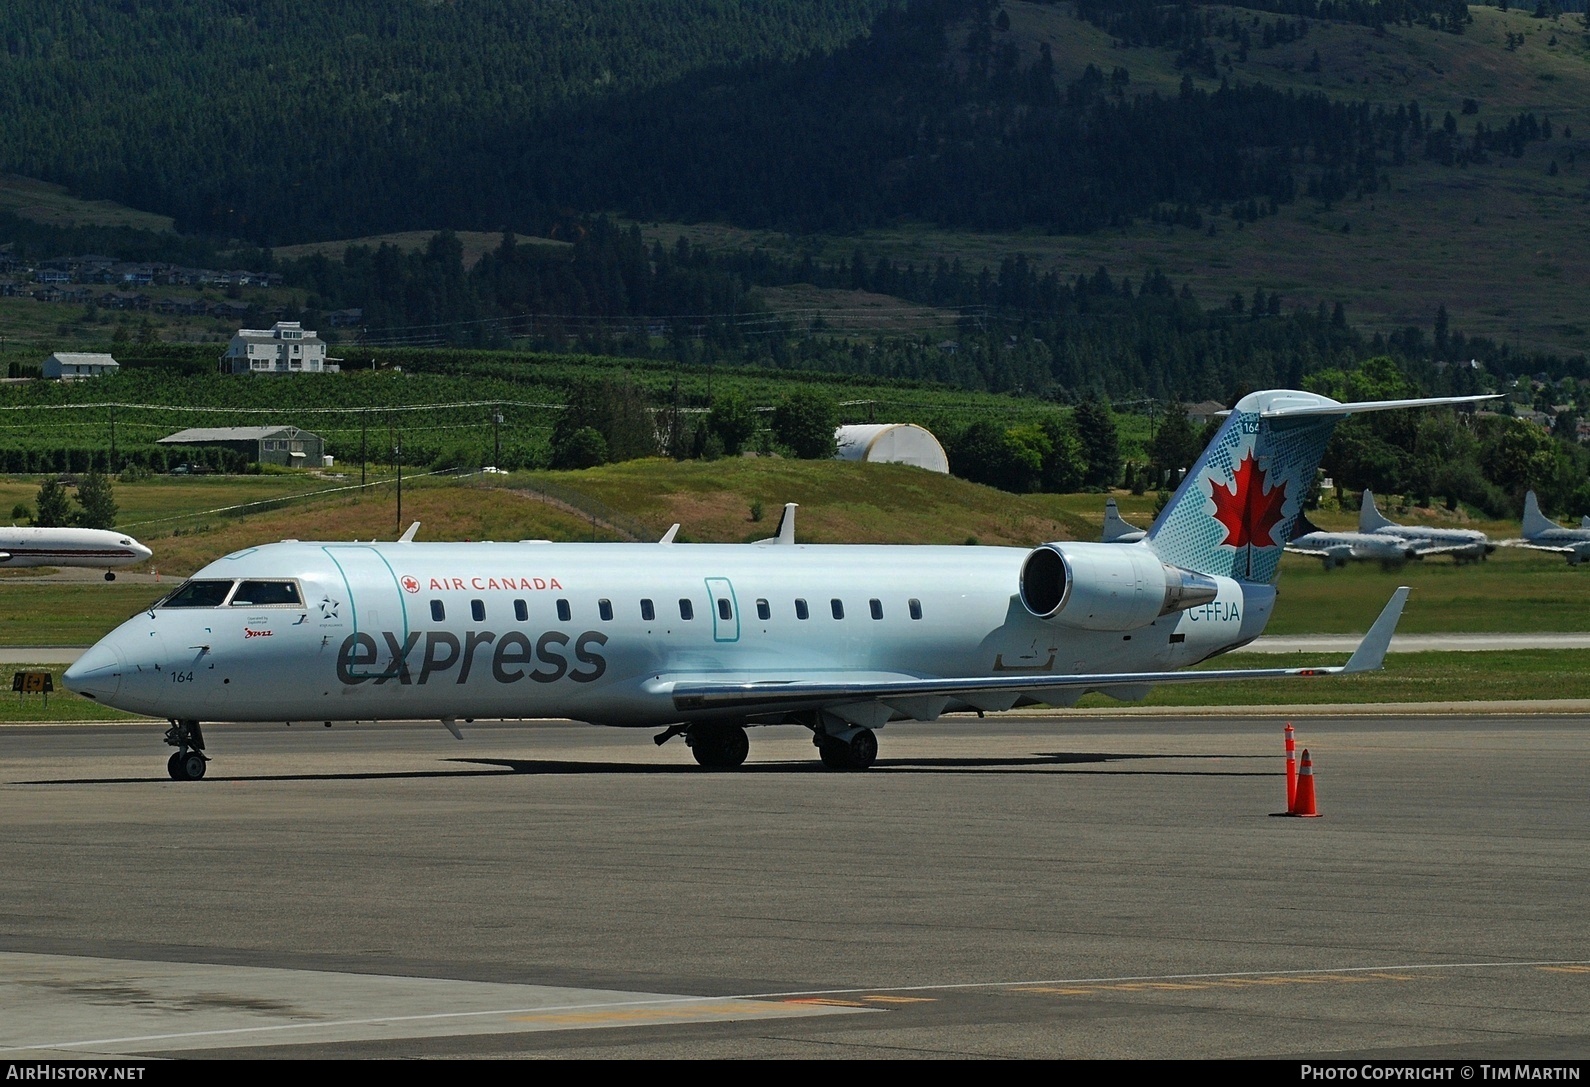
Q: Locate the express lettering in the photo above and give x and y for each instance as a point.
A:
(513, 657)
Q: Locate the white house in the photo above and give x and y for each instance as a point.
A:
(284, 348)
(70, 365)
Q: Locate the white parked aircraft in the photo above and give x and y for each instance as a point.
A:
(1463, 544)
(702, 640)
(27, 545)
(1544, 534)
(1339, 548)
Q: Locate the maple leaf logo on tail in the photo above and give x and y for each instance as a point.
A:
(1247, 511)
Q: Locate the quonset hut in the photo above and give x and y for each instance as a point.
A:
(892, 443)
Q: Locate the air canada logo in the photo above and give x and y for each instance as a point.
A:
(411, 584)
(1248, 512)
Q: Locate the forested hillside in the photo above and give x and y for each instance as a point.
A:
(283, 122)
(280, 121)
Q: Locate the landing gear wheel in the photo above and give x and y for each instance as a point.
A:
(109, 576)
(719, 747)
(834, 753)
(856, 753)
(188, 762)
(863, 749)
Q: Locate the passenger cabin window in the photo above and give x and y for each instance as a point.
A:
(647, 612)
(477, 610)
(724, 610)
(266, 595)
(687, 610)
(604, 608)
(876, 607)
(763, 611)
(838, 607)
(564, 613)
(800, 610)
(198, 594)
(916, 608)
(521, 611)
(438, 612)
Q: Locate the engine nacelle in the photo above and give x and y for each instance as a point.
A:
(1108, 586)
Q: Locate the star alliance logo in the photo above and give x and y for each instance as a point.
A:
(328, 608)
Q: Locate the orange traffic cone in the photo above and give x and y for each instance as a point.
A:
(1305, 808)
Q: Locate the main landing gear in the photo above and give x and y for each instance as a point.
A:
(188, 762)
(718, 747)
(855, 749)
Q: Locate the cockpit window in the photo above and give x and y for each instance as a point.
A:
(198, 594)
(266, 594)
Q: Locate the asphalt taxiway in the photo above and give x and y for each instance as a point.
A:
(1092, 886)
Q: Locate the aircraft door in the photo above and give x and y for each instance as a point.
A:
(375, 599)
(725, 610)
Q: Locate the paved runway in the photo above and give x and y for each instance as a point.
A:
(1087, 887)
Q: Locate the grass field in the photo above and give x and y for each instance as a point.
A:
(187, 524)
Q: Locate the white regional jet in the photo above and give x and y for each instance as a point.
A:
(28, 545)
(1543, 534)
(702, 640)
(1463, 544)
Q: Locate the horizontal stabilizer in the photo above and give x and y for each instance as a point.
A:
(1281, 408)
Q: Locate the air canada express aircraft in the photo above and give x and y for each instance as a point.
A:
(702, 640)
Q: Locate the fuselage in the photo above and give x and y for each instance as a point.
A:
(347, 631)
(27, 545)
(1463, 542)
(1340, 547)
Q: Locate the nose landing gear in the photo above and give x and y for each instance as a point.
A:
(188, 762)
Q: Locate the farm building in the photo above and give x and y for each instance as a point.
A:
(285, 445)
(892, 443)
(71, 365)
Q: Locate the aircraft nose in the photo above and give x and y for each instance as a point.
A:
(96, 674)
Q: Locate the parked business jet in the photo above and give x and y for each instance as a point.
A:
(26, 545)
(1463, 544)
(703, 640)
(1543, 534)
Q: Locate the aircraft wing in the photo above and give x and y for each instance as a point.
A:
(1560, 549)
(925, 697)
(1339, 550)
(1420, 548)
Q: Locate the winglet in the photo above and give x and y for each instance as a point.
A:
(1371, 652)
(408, 537)
(668, 537)
(786, 527)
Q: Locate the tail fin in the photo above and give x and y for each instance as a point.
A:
(1369, 516)
(1535, 522)
(1238, 505)
(1117, 530)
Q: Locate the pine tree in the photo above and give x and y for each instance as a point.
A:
(98, 507)
(54, 509)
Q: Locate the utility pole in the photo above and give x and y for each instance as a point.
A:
(496, 440)
(364, 425)
(397, 455)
